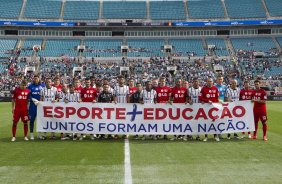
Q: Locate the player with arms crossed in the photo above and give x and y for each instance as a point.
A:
(259, 99)
(20, 98)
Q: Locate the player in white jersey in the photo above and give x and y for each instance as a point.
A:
(121, 95)
(232, 94)
(62, 94)
(48, 94)
(148, 96)
(193, 96)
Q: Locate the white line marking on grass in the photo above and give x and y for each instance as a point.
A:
(127, 164)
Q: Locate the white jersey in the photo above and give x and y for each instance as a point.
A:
(48, 94)
(232, 94)
(194, 93)
(121, 93)
(148, 96)
(72, 97)
(61, 96)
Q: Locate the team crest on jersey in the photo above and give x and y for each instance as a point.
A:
(36, 89)
(162, 90)
(22, 93)
(208, 95)
(178, 91)
(210, 91)
(20, 97)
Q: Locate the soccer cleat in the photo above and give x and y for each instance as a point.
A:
(254, 137)
(63, 138)
(250, 136)
(243, 136)
(26, 139)
(184, 138)
(190, 137)
(205, 139)
(92, 137)
(236, 137)
(264, 138)
(13, 139)
(173, 138)
(155, 137)
(198, 138)
(228, 137)
(74, 138)
(144, 138)
(217, 139)
(136, 137)
(31, 136)
(81, 138)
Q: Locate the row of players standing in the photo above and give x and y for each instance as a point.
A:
(122, 93)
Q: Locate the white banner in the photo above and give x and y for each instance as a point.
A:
(175, 119)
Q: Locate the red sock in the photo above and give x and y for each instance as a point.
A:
(256, 128)
(25, 129)
(264, 128)
(14, 128)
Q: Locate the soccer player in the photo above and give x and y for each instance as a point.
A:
(48, 94)
(209, 94)
(259, 98)
(105, 97)
(132, 88)
(163, 93)
(77, 86)
(221, 87)
(35, 89)
(178, 95)
(232, 94)
(185, 84)
(61, 95)
(155, 83)
(57, 84)
(121, 94)
(246, 94)
(88, 94)
(193, 97)
(20, 98)
(92, 82)
(148, 96)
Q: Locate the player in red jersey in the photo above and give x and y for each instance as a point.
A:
(88, 94)
(209, 94)
(57, 84)
(163, 93)
(20, 99)
(132, 88)
(246, 94)
(259, 98)
(178, 95)
(77, 86)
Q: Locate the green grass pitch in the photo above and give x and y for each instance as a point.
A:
(225, 162)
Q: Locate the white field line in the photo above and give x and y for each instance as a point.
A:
(127, 164)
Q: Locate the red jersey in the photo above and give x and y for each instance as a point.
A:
(132, 90)
(88, 94)
(259, 95)
(209, 94)
(179, 95)
(59, 88)
(78, 89)
(163, 94)
(246, 94)
(21, 98)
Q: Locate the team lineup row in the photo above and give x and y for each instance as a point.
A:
(25, 99)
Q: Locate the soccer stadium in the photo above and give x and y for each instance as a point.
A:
(149, 91)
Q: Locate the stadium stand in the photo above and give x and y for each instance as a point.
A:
(145, 48)
(205, 9)
(57, 48)
(41, 9)
(103, 48)
(241, 9)
(167, 10)
(27, 48)
(124, 9)
(10, 9)
(185, 47)
(7, 47)
(81, 10)
(274, 7)
(220, 49)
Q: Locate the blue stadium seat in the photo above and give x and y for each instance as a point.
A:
(10, 9)
(57, 48)
(167, 10)
(124, 9)
(81, 10)
(220, 45)
(27, 48)
(5, 45)
(145, 48)
(43, 9)
(245, 9)
(205, 9)
(274, 7)
(256, 44)
(185, 46)
(103, 48)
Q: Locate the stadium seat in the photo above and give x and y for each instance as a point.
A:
(10, 9)
(185, 46)
(167, 10)
(245, 9)
(145, 48)
(205, 9)
(103, 48)
(124, 9)
(274, 7)
(255, 44)
(81, 10)
(220, 46)
(27, 48)
(58, 48)
(5, 45)
(42, 9)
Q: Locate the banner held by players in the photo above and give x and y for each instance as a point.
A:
(151, 119)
